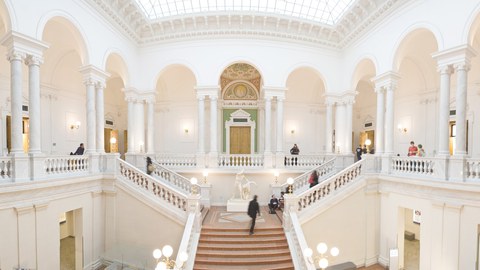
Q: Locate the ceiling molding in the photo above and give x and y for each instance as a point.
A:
(127, 16)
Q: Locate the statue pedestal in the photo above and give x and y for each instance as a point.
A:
(237, 205)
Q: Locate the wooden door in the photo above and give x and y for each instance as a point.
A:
(25, 132)
(240, 140)
(107, 133)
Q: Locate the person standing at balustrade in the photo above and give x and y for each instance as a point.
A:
(412, 150)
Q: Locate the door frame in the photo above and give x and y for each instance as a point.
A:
(240, 118)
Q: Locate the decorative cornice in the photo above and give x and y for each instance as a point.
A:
(127, 16)
(17, 42)
(94, 74)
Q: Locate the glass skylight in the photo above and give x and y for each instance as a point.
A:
(323, 11)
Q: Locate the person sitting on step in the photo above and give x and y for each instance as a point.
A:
(273, 205)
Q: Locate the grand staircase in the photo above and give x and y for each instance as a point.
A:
(223, 247)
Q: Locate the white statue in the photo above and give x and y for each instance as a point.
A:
(242, 186)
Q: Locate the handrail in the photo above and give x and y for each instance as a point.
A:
(151, 185)
(173, 178)
(325, 188)
(189, 241)
(297, 242)
(301, 181)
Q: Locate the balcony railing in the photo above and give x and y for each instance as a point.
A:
(60, 165)
(255, 160)
(300, 183)
(5, 168)
(172, 178)
(473, 169)
(304, 160)
(413, 165)
(176, 160)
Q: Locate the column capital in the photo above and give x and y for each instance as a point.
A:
(200, 97)
(32, 60)
(131, 94)
(100, 85)
(274, 91)
(210, 91)
(15, 55)
(458, 54)
(94, 73)
(149, 98)
(17, 42)
(387, 80)
(445, 69)
(462, 66)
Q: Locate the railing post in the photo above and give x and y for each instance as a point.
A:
(291, 206)
(386, 164)
(94, 163)
(193, 206)
(110, 162)
(205, 190)
(441, 167)
(37, 166)
(279, 160)
(200, 160)
(457, 169)
(20, 165)
(372, 163)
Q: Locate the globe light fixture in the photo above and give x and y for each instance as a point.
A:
(194, 183)
(290, 182)
(322, 259)
(163, 261)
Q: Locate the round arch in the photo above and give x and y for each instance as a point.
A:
(409, 34)
(120, 69)
(472, 25)
(72, 25)
(8, 16)
(364, 66)
(231, 62)
(173, 63)
(309, 66)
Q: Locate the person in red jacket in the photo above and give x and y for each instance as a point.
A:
(412, 150)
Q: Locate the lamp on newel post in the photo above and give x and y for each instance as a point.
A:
(194, 183)
(164, 263)
(290, 185)
(321, 260)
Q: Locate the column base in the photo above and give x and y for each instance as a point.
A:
(37, 161)
(20, 167)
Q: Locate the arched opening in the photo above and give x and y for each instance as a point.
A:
(115, 106)
(62, 88)
(364, 108)
(175, 111)
(305, 111)
(240, 87)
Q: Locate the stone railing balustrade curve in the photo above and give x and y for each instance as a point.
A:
(329, 186)
(151, 185)
(238, 160)
(172, 178)
(301, 182)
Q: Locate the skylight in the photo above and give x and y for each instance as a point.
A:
(322, 11)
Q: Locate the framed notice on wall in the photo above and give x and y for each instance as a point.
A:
(417, 216)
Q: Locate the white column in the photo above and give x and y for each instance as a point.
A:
(90, 147)
(150, 127)
(213, 124)
(329, 127)
(444, 111)
(380, 123)
(139, 127)
(340, 119)
(34, 104)
(15, 59)
(461, 112)
(268, 124)
(201, 124)
(389, 117)
(100, 117)
(280, 142)
(131, 127)
(348, 127)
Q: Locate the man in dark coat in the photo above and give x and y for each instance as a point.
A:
(79, 151)
(253, 209)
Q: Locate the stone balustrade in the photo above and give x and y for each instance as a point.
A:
(5, 169)
(172, 178)
(177, 160)
(236, 160)
(304, 160)
(61, 165)
(300, 183)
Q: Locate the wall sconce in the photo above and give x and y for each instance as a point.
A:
(276, 174)
(186, 131)
(113, 140)
(401, 128)
(75, 125)
(292, 131)
(205, 174)
(141, 146)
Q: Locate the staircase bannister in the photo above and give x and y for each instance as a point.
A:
(294, 233)
(173, 178)
(153, 186)
(301, 181)
(191, 233)
(329, 186)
